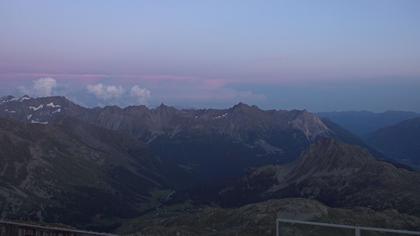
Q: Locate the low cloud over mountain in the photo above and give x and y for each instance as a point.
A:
(41, 87)
(95, 94)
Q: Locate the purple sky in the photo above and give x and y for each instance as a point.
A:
(318, 55)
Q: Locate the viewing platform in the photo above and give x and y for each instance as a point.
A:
(287, 227)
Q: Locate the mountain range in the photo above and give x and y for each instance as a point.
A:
(399, 142)
(110, 167)
(199, 141)
(363, 123)
(335, 173)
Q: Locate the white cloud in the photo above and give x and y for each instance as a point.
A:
(142, 95)
(42, 87)
(106, 92)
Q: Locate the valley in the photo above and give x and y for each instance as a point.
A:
(126, 169)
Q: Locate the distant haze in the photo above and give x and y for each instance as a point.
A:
(317, 55)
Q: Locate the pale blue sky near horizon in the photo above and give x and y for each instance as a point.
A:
(319, 55)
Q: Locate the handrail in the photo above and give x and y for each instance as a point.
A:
(40, 227)
(357, 229)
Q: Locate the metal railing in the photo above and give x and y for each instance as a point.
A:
(10, 228)
(314, 229)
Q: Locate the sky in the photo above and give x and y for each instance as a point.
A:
(322, 55)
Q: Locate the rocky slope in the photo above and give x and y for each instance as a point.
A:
(74, 173)
(260, 218)
(336, 174)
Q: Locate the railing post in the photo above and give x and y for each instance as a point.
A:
(357, 231)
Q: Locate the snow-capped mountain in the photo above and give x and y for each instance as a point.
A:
(36, 110)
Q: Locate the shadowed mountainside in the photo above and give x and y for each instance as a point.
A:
(401, 142)
(73, 172)
(337, 174)
(363, 123)
(197, 141)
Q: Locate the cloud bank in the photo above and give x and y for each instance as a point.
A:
(180, 91)
(142, 95)
(116, 94)
(42, 87)
(106, 92)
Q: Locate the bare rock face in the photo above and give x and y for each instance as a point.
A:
(311, 125)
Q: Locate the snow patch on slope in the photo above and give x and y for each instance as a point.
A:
(52, 105)
(9, 111)
(24, 98)
(39, 122)
(221, 116)
(36, 108)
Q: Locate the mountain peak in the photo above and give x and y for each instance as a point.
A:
(328, 155)
(10, 98)
(24, 97)
(244, 107)
(164, 107)
(241, 104)
(310, 124)
(7, 99)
